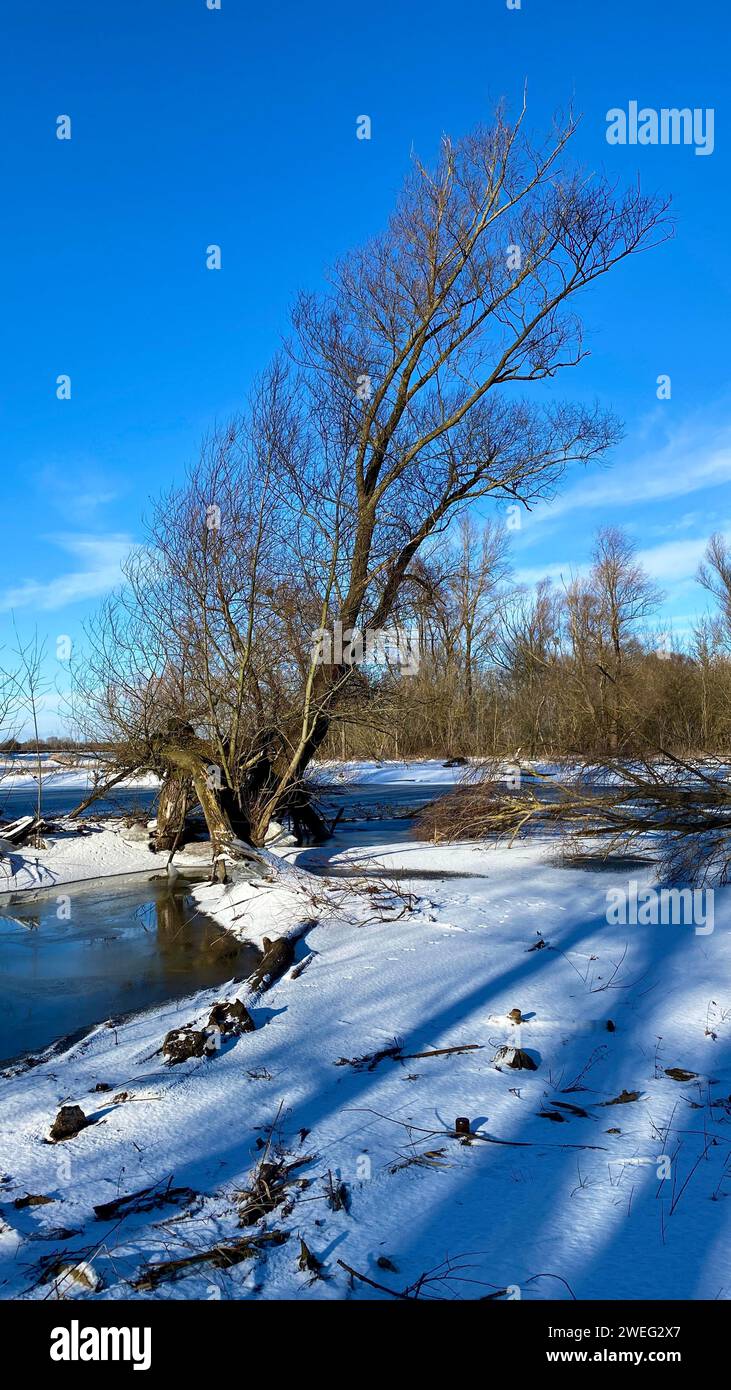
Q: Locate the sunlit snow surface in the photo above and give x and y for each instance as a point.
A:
(564, 1207)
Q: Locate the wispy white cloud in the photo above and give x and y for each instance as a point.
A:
(79, 493)
(692, 458)
(99, 568)
(673, 561)
(559, 573)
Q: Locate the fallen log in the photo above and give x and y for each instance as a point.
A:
(383, 1288)
(438, 1052)
(18, 830)
(396, 1054)
(221, 1256)
(147, 1199)
(278, 956)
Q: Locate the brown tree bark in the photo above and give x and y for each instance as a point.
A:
(174, 803)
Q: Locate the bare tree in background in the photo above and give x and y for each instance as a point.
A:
(9, 713)
(28, 687)
(625, 595)
(527, 650)
(471, 596)
(715, 576)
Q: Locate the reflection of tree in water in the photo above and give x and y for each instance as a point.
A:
(30, 921)
(187, 935)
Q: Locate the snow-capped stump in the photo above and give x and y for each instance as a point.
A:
(277, 835)
(182, 1043)
(69, 1121)
(231, 1018)
(516, 1058)
(278, 956)
(462, 1125)
(135, 833)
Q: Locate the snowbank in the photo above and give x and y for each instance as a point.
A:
(597, 1173)
(73, 779)
(100, 850)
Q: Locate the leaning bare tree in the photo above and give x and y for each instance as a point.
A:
(407, 391)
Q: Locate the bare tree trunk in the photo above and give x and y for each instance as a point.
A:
(192, 765)
(174, 803)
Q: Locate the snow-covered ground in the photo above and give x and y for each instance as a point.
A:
(23, 772)
(554, 1190)
(101, 850)
(433, 771)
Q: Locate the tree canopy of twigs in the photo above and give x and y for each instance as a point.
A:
(409, 389)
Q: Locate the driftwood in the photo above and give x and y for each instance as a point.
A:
(268, 1189)
(18, 830)
(383, 1288)
(147, 1199)
(438, 1052)
(396, 1054)
(221, 1256)
(299, 969)
(33, 1199)
(278, 956)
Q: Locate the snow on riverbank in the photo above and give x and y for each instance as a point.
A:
(555, 1190)
(101, 850)
(19, 773)
(433, 771)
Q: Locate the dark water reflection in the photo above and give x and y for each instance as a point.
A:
(70, 961)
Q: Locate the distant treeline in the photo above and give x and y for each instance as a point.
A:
(580, 668)
(11, 746)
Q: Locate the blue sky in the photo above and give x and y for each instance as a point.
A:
(192, 126)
